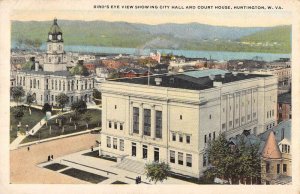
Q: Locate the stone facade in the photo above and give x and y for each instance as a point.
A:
(174, 125)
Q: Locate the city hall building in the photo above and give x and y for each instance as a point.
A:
(172, 118)
(47, 81)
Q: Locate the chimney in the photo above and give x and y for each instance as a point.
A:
(158, 81)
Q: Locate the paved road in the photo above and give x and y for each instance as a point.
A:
(23, 163)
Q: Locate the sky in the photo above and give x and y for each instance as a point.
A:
(82, 10)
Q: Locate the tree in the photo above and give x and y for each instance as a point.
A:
(18, 113)
(75, 117)
(46, 108)
(61, 120)
(62, 100)
(222, 159)
(96, 94)
(87, 118)
(29, 100)
(79, 107)
(157, 171)
(233, 162)
(17, 93)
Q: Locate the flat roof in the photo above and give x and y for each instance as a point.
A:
(194, 80)
(285, 98)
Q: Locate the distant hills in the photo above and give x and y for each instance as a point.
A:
(191, 36)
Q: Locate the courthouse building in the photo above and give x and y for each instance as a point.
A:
(172, 118)
(47, 81)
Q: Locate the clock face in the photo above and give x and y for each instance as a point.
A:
(50, 37)
(59, 37)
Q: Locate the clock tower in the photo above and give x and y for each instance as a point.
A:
(54, 60)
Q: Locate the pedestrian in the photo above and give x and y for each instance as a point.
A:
(49, 158)
(28, 148)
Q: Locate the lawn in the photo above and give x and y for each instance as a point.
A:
(68, 127)
(55, 166)
(83, 175)
(30, 120)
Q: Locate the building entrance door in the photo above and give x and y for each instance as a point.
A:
(133, 149)
(156, 154)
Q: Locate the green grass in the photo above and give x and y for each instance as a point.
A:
(83, 175)
(30, 120)
(69, 127)
(55, 166)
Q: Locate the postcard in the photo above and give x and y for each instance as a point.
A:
(146, 97)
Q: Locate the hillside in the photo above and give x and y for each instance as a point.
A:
(192, 36)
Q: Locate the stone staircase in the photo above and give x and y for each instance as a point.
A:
(132, 166)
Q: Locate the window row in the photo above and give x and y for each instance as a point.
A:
(180, 156)
(146, 125)
(68, 86)
(180, 137)
(114, 143)
(270, 113)
(230, 123)
(115, 124)
(211, 136)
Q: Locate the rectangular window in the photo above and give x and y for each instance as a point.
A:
(230, 123)
(109, 124)
(121, 126)
(243, 119)
(284, 168)
(248, 117)
(189, 160)
(278, 168)
(158, 126)
(180, 138)
(180, 158)
(121, 144)
(108, 142)
(115, 125)
(268, 167)
(223, 126)
(236, 121)
(209, 137)
(254, 115)
(135, 120)
(204, 160)
(147, 122)
(273, 112)
(214, 135)
(172, 156)
(133, 149)
(188, 139)
(145, 152)
(115, 143)
(173, 136)
(156, 154)
(180, 117)
(205, 139)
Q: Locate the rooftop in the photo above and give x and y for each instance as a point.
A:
(56, 73)
(285, 98)
(193, 80)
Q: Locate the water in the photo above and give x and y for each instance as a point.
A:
(218, 55)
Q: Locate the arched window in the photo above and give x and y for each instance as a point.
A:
(63, 85)
(34, 83)
(68, 85)
(38, 83)
(59, 85)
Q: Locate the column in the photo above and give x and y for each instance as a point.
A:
(141, 120)
(153, 115)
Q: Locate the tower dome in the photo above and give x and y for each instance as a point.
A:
(55, 32)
